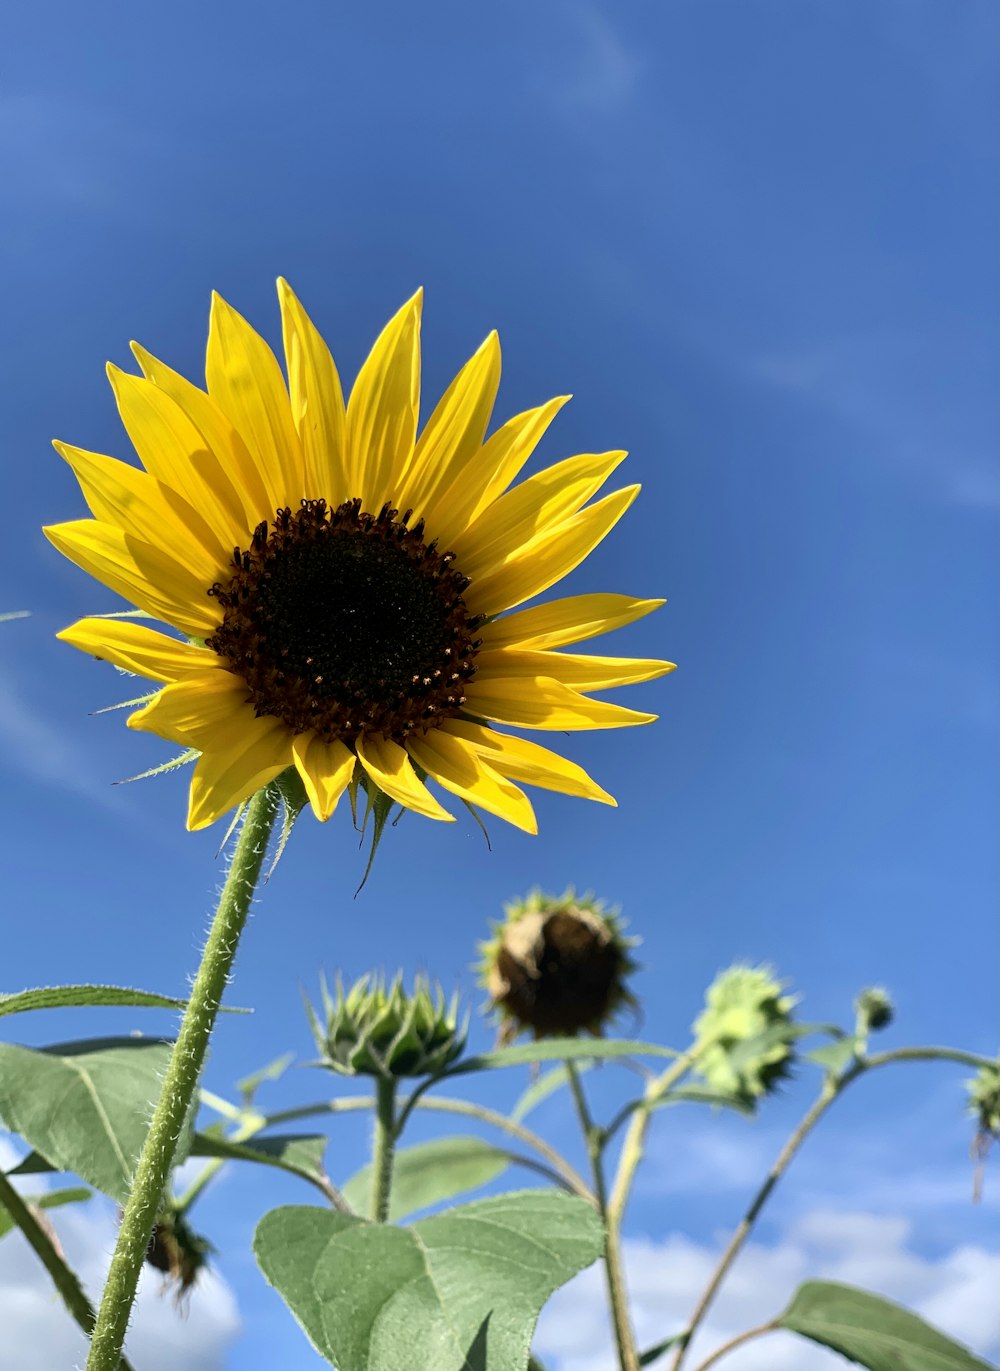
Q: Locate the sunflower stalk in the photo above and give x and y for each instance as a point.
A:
(384, 1147)
(180, 1083)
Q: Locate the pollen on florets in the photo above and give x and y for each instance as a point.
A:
(557, 966)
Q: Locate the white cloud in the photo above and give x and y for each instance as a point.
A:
(605, 72)
(38, 1334)
(955, 1291)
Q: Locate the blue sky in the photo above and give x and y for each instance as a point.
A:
(756, 241)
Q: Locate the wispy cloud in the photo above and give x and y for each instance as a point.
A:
(603, 72)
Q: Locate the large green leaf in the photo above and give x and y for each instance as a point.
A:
(85, 1106)
(429, 1173)
(875, 1332)
(49, 1199)
(74, 996)
(299, 1153)
(555, 1050)
(461, 1291)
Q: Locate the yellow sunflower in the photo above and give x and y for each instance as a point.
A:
(343, 582)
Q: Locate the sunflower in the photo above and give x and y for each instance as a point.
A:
(342, 582)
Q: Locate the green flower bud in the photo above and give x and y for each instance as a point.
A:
(984, 1103)
(744, 1036)
(376, 1029)
(874, 1009)
(556, 966)
(179, 1252)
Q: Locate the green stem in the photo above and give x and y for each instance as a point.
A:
(635, 1139)
(63, 1277)
(628, 1355)
(180, 1082)
(384, 1147)
(770, 1327)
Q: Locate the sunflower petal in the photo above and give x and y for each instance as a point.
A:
(140, 650)
(390, 768)
(531, 510)
(222, 780)
(456, 765)
(138, 503)
(582, 673)
(490, 472)
(453, 434)
(549, 558)
(326, 770)
(173, 450)
(382, 410)
(139, 572)
(219, 436)
(540, 702)
(208, 711)
(527, 762)
(245, 381)
(317, 401)
(570, 620)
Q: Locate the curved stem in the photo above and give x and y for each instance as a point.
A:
(770, 1327)
(593, 1136)
(180, 1082)
(443, 1104)
(384, 1148)
(64, 1278)
(635, 1139)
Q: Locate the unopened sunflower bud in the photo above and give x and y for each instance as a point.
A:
(375, 1029)
(744, 1037)
(874, 1009)
(984, 1102)
(179, 1252)
(556, 966)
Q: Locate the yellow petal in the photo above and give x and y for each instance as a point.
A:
(382, 410)
(138, 649)
(139, 572)
(208, 711)
(455, 764)
(582, 673)
(326, 770)
(174, 451)
(138, 503)
(245, 381)
(220, 438)
(317, 402)
(531, 510)
(539, 702)
(549, 558)
(529, 763)
(222, 780)
(389, 767)
(491, 471)
(452, 435)
(570, 620)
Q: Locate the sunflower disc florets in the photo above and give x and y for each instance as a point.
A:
(557, 966)
(380, 1029)
(744, 1036)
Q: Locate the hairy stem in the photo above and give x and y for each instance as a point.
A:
(383, 1148)
(180, 1082)
(628, 1356)
(64, 1278)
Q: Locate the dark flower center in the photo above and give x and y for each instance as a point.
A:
(570, 980)
(347, 623)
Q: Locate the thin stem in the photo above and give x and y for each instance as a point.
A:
(758, 1332)
(64, 1278)
(383, 1148)
(442, 1104)
(635, 1139)
(593, 1136)
(180, 1082)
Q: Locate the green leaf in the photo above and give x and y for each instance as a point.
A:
(75, 996)
(85, 1106)
(558, 1049)
(705, 1094)
(431, 1172)
(655, 1352)
(834, 1057)
(875, 1332)
(461, 1291)
(301, 1154)
(49, 1199)
(249, 1085)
